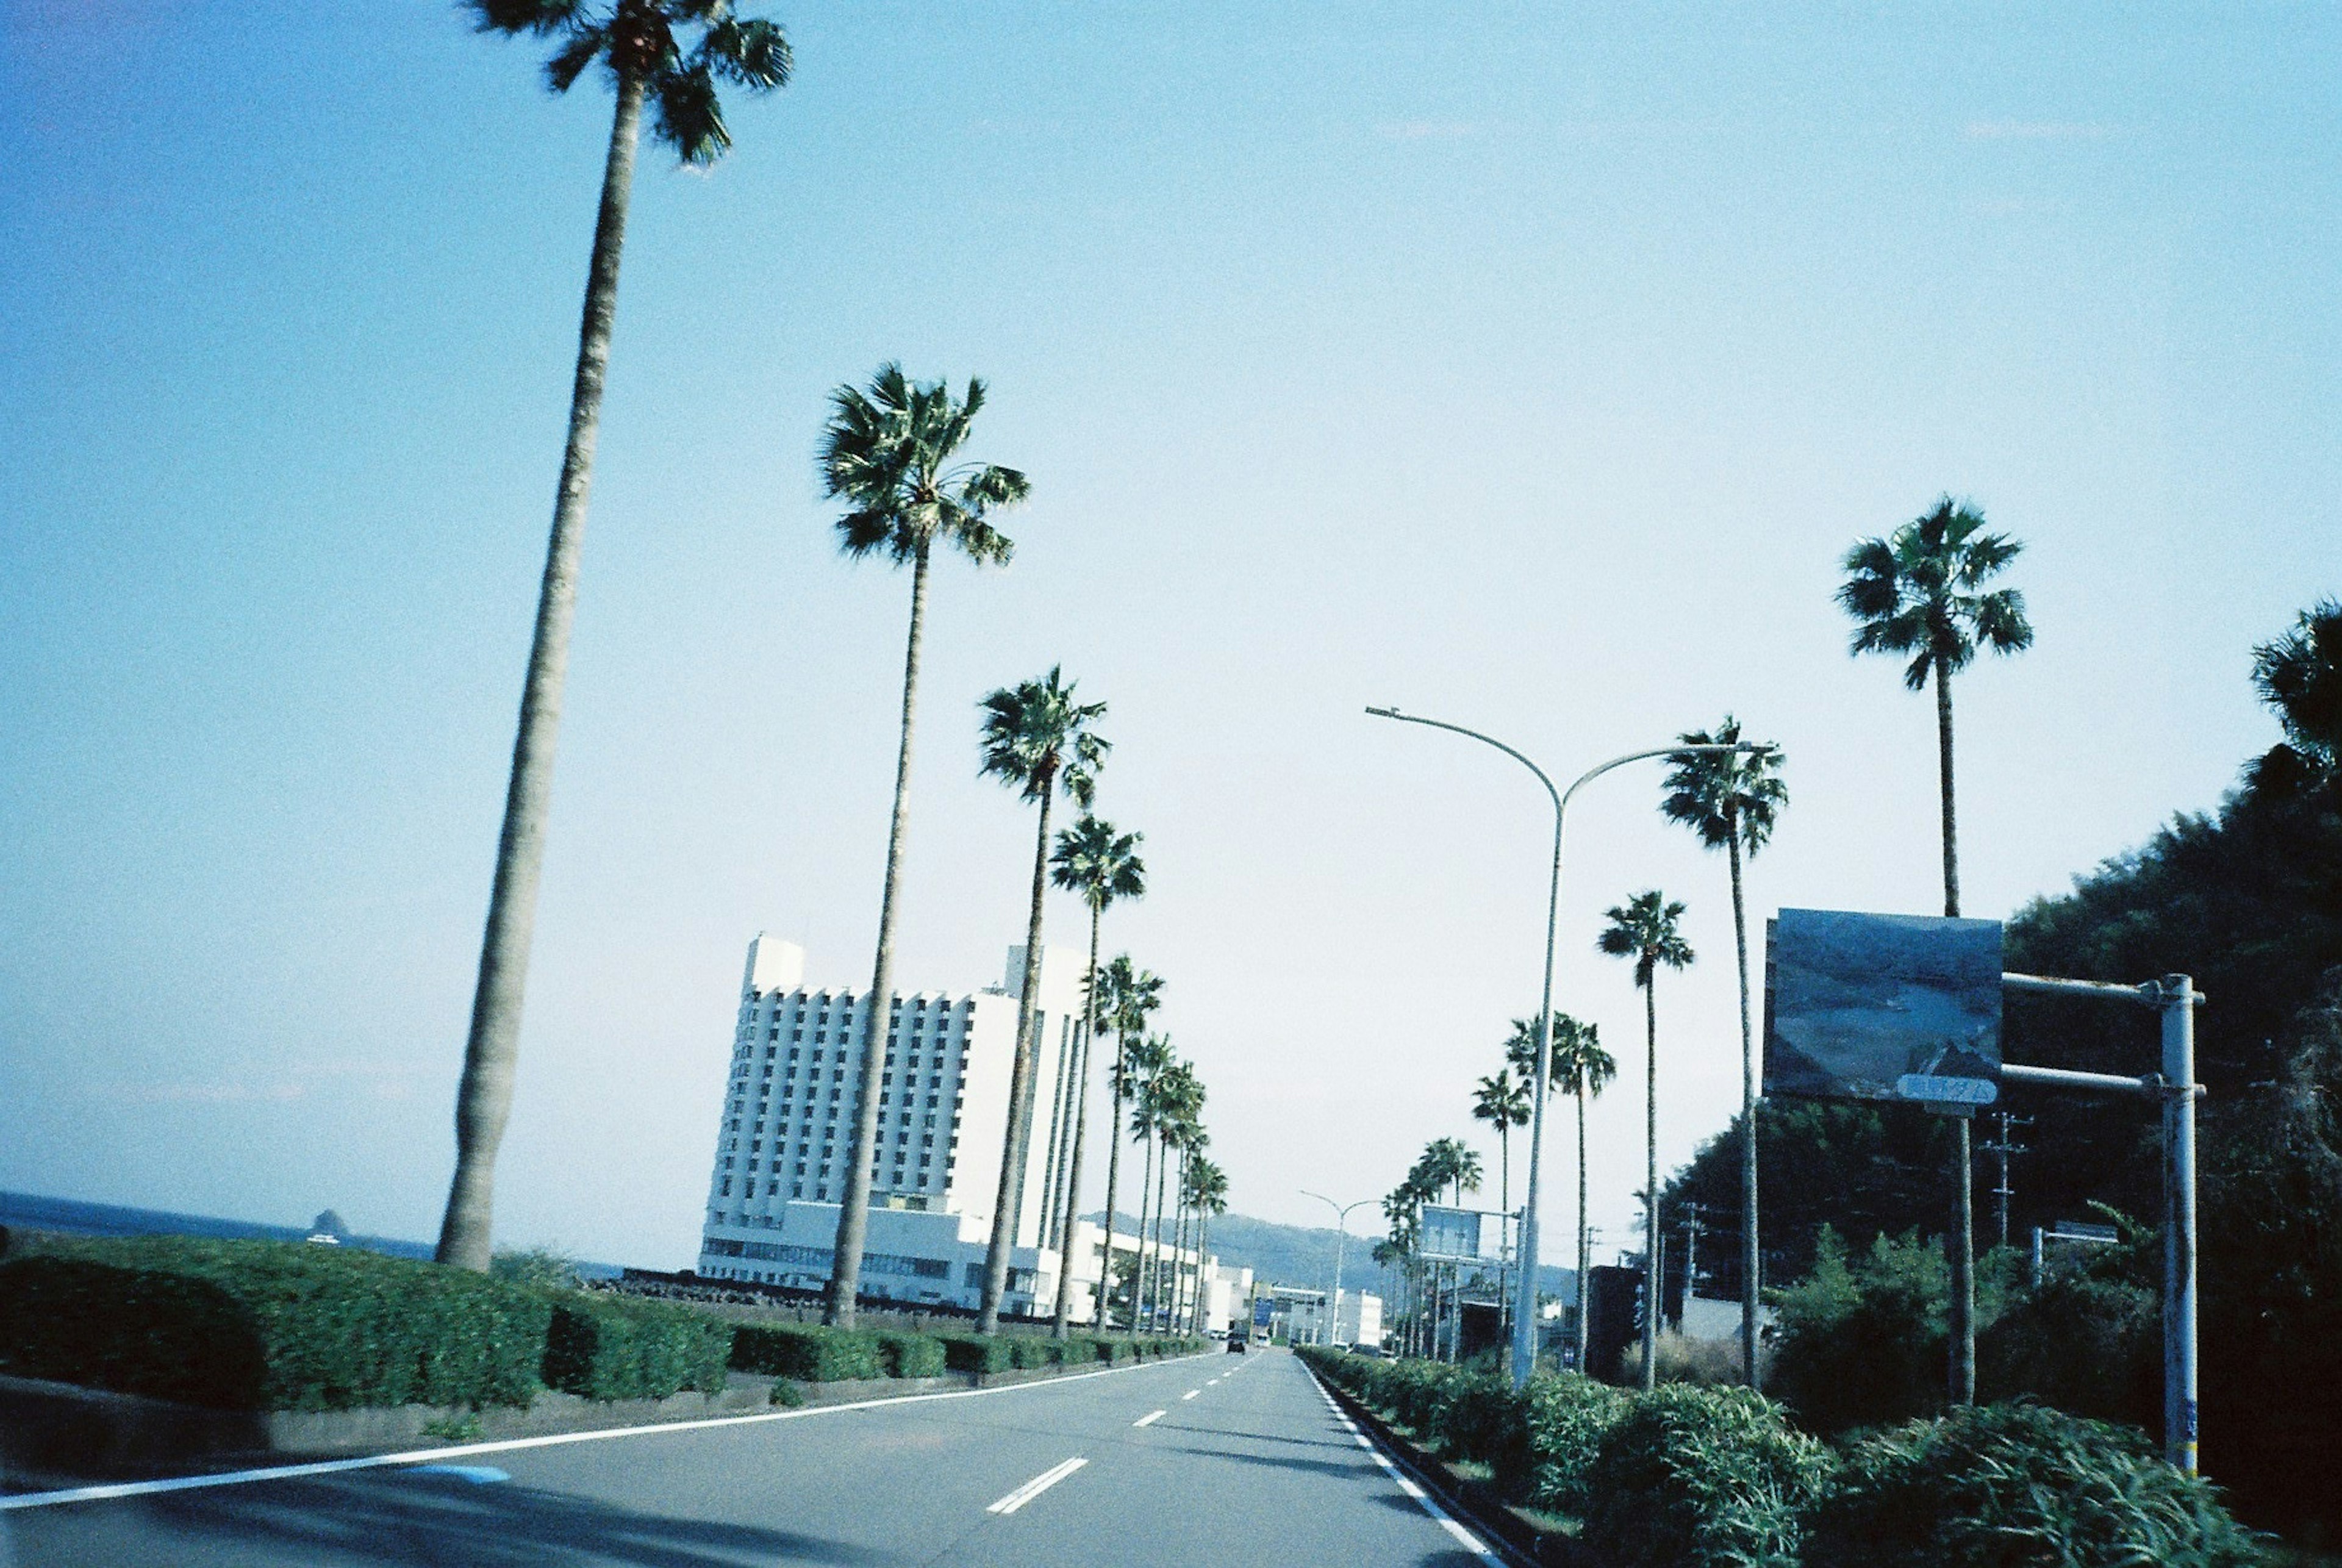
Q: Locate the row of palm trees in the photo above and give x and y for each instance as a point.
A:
(1921, 594)
(892, 454)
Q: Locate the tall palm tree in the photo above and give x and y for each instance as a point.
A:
(1145, 1062)
(1648, 928)
(1502, 1101)
(1129, 996)
(1731, 799)
(1037, 739)
(892, 454)
(1193, 1141)
(1921, 593)
(1177, 1100)
(1101, 866)
(1208, 1195)
(670, 53)
(1581, 1069)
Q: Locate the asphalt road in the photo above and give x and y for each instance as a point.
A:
(1220, 1459)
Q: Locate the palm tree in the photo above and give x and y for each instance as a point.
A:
(1646, 928)
(1143, 1062)
(642, 43)
(890, 453)
(1208, 1195)
(1502, 1101)
(1193, 1142)
(1581, 1069)
(1177, 1100)
(1038, 740)
(2299, 677)
(1101, 866)
(1129, 996)
(1920, 594)
(1731, 799)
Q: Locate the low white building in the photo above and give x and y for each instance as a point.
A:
(788, 1119)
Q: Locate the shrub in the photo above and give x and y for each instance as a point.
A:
(910, 1354)
(2085, 1340)
(1564, 1420)
(540, 1268)
(977, 1352)
(2012, 1485)
(1709, 1363)
(809, 1353)
(1692, 1477)
(1032, 1350)
(608, 1349)
(1474, 1416)
(1864, 1344)
(266, 1325)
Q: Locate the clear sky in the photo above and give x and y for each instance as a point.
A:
(1529, 366)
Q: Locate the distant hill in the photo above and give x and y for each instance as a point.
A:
(1302, 1255)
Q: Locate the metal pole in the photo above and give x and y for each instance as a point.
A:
(1524, 1312)
(2179, 1435)
(1341, 1237)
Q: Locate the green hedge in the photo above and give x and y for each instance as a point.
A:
(266, 1325)
(1698, 1476)
(978, 1353)
(609, 1348)
(1692, 1477)
(2015, 1483)
(911, 1354)
(810, 1352)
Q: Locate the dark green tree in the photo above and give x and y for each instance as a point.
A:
(1648, 928)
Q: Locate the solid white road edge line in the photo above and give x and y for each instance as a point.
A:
(1424, 1500)
(1150, 1420)
(111, 1489)
(1037, 1485)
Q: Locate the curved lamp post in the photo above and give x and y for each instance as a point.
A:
(1341, 1235)
(1525, 1314)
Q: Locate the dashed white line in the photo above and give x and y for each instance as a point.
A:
(1037, 1485)
(1150, 1420)
(1191, 1393)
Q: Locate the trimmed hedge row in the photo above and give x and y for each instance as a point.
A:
(271, 1325)
(606, 1348)
(262, 1325)
(1716, 1476)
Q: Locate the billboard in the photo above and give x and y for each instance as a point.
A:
(1458, 1234)
(1882, 1007)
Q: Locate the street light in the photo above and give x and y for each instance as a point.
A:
(1525, 1314)
(1341, 1234)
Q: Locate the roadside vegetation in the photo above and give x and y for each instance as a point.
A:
(1706, 1477)
(276, 1325)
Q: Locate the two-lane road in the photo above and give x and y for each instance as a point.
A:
(1220, 1459)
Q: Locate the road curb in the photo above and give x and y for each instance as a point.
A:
(1475, 1502)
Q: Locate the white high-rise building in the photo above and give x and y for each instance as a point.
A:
(787, 1125)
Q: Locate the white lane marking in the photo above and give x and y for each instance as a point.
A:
(1191, 1393)
(478, 1474)
(510, 1445)
(1150, 1420)
(1446, 1521)
(1037, 1485)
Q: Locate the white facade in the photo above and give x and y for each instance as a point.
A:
(787, 1125)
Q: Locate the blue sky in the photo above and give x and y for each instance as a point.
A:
(1527, 365)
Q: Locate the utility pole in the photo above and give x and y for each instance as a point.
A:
(2004, 1146)
(1693, 1229)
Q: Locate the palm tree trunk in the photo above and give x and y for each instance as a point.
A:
(854, 1208)
(1155, 1291)
(1750, 1258)
(492, 1051)
(1112, 1182)
(1068, 1231)
(1651, 1185)
(1020, 1094)
(1944, 784)
(1585, 1243)
(1505, 1201)
(1138, 1262)
(1963, 1241)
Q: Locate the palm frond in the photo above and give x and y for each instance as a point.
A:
(690, 117)
(754, 54)
(514, 17)
(570, 61)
